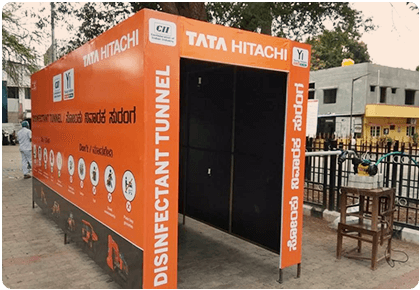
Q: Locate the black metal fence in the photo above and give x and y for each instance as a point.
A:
(324, 176)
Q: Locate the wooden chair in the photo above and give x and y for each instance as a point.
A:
(377, 206)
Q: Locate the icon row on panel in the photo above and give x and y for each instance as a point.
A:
(109, 175)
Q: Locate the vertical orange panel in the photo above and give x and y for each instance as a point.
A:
(161, 155)
(294, 156)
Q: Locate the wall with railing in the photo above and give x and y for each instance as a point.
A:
(324, 175)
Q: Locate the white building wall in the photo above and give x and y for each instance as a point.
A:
(14, 104)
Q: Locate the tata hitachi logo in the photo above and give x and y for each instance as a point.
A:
(237, 46)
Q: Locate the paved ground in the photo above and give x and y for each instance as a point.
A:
(34, 255)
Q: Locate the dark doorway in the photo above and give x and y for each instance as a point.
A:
(326, 126)
(231, 148)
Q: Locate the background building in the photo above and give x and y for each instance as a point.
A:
(377, 102)
(18, 95)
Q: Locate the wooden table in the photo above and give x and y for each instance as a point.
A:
(376, 205)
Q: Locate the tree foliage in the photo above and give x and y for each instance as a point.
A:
(95, 18)
(98, 17)
(293, 20)
(16, 42)
(331, 47)
(300, 20)
(413, 7)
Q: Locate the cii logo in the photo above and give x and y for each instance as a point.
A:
(162, 32)
(161, 28)
(57, 92)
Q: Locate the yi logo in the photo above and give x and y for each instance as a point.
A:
(300, 57)
(300, 54)
(68, 80)
(68, 83)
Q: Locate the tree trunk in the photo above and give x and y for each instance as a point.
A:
(266, 28)
(195, 10)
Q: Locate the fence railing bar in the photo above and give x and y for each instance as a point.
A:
(325, 177)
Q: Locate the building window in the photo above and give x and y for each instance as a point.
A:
(311, 95)
(411, 121)
(372, 88)
(411, 130)
(330, 96)
(392, 127)
(28, 93)
(375, 131)
(393, 90)
(382, 100)
(12, 92)
(409, 97)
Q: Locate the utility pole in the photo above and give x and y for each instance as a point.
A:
(53, 56)
(351, 103)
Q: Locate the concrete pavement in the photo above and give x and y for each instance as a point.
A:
(34, 254)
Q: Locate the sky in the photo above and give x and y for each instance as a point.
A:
(394, 43)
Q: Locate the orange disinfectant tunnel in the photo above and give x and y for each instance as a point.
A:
(163, 115)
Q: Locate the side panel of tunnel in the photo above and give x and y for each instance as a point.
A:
(258, 166)
(206, 138)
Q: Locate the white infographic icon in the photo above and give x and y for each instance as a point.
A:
(81, 169)
(109, 179)
(45, 157)
(129, 186)
(94, 173)
(52, 160)
(70, 165)
(59, 161)
(34, 151)
(39, 153)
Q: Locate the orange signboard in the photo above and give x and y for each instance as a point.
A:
(106, 134)
(294, 157)
(216, 43)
